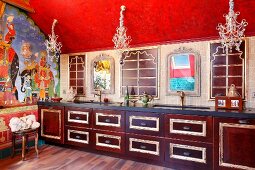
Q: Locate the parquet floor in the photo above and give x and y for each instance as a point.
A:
(58, 158)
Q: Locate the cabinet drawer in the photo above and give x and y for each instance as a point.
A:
(144, 123)
(109, 141)
(108, 120)
(186, 155)
(144, 146)
(197, 128)
(187, 127)
(77, 136)
(79, 117)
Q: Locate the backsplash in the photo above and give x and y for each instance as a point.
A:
(202, 47)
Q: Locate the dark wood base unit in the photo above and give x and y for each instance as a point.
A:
(78, 136)
(145, 147)
(52, 123)
(234, 143)
(189, 140)
(109, 141)
(144, 123)
(181, 154)
(195, 128)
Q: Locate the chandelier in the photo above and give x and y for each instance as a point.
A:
(120, 39)
(53, 47)
(232, 32)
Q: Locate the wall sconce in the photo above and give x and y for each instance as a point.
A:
(232, 32)
(120, 39)
(53, 47)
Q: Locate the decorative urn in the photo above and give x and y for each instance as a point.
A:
(232, 92)
(145, 98)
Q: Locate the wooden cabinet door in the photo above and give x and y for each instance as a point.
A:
(52, 123)
(234, 143)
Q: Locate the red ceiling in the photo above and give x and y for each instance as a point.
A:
(86, 25)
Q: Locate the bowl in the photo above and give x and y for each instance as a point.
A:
(56, 99)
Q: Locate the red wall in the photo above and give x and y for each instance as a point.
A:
(86, 25)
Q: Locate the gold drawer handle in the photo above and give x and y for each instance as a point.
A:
(143, 124)
(77, 118)
(143, 147)
(77, 137)
(186, 128)
(107, 120)
(244, 122)
(107, 141)
(187, 154)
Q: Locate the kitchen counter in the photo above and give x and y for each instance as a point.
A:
(160, 108)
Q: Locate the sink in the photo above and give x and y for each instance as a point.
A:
(90, 101)
(85, 101)
(180, 107)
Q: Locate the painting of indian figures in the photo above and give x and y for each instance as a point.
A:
(26, 73)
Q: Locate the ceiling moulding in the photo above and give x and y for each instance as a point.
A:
(22, 4)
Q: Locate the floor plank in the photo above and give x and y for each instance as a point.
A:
(58, 158)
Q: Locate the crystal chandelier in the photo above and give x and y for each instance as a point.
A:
(120, 39)
(232, 32)
(53, 47)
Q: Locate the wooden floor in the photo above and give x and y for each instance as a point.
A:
(58, 158)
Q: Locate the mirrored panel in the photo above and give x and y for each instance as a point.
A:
(103, 74)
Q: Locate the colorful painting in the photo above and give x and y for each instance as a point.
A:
(103, 74)
(183, 72)
(25, 71)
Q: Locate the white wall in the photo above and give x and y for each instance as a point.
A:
(201, 47)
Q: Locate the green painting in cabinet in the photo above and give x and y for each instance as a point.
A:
(103, 74)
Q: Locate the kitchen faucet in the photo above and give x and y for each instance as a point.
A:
(182, 95)
(99, 93)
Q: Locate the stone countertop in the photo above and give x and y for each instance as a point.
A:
(161, 108)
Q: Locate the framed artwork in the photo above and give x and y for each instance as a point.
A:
(234, 103)
(221, 103)
(183, 72)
